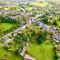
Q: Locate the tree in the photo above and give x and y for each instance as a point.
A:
(41, 37)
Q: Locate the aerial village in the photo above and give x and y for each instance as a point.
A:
(29, 30)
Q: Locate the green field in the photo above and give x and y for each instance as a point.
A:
(9, 53)
(6, 55)
(5, 27)
(41, 52)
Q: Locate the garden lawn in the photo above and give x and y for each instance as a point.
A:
(41, 52)
(5, 27)
(6, 55)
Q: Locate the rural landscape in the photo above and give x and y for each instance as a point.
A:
(29, 30)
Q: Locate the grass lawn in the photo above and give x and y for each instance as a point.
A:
(8, 55)
(5, 27)
(41, 52)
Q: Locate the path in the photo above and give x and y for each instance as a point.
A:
(28, 57)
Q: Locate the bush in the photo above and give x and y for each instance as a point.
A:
(41, 37)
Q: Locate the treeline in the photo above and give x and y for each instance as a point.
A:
(6, 19)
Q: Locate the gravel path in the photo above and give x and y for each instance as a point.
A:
(28, 57)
